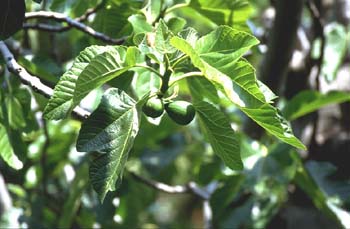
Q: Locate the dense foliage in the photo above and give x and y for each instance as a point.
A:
(152, 92)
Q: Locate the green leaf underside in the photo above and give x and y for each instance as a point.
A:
(15, 112)
(6, 151)
(218, 55)
(202, 88)
(309, 101)
(62, 100)
(103, 68)
(110, 130)
(220, 134)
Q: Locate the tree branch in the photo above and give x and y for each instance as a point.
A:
(25, 77)
(33, 81)
(191, 187)
(177, 189)
(207, 215)
(72, 23)
(318, 25)
(281, 43)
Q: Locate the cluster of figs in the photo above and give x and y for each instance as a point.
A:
(181, 112)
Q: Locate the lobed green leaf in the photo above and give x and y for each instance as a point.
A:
(218, 55)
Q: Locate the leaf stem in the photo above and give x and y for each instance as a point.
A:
(148, 68)
(175, 7)
(186, 75)
(179, 60)
(166, 77)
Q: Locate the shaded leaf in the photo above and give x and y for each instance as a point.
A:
(202, 88)
(112, 19)
(221, 137)
(307, 183)
(71, 205)
(322, 174)
(223, 196)
(110, 130)
(15, 112)
(6, 152)
(176, 24)
(306, 102)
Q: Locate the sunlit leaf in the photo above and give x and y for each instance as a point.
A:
(335, 49)
(62, 100)
(139, 24)
(103, 68)
(224, 11)
(220, 63)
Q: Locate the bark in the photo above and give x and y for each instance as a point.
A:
(281, 43)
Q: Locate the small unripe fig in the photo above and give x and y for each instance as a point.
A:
(181, 112)
(154, 107)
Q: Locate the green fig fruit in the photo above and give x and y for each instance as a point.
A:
(154, 107)
(181, 112)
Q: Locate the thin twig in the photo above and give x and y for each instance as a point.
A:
(207, 215)
(72, 23)
(177, 189)
(58, 29)
(25, 77)
(191, 187)
(91, 11)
